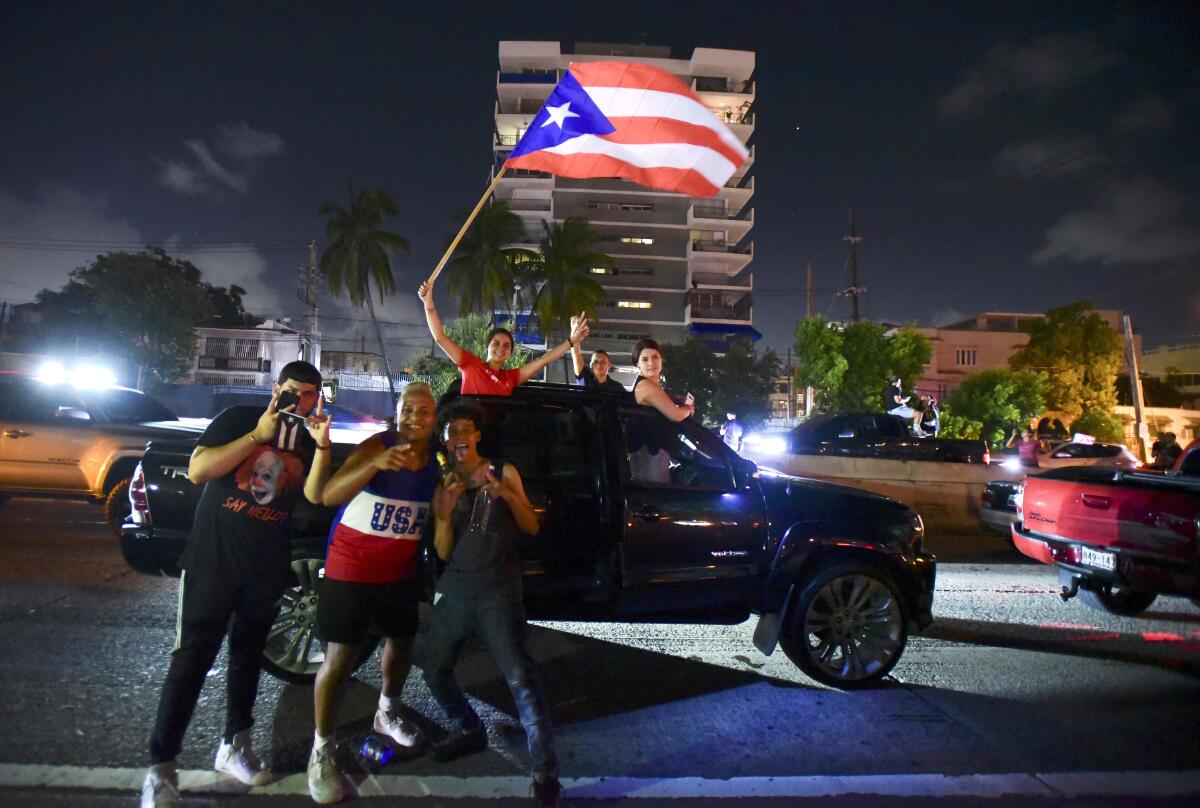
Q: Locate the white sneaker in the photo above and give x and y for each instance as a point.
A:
(238, 760)
(397, 727)
(160, 789)
(324, 779)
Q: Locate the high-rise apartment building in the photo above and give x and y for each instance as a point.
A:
(680, 264)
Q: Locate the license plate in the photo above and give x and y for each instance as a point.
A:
(1097, 559)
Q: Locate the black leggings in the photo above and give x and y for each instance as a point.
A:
(207, 600)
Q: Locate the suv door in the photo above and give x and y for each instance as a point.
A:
(692, 536)
(556, 449)
(45, 433)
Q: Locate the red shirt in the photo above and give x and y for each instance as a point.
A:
(479, 379)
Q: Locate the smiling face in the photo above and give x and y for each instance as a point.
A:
(649, 362)
(461, 439)
(416, 416)
(265, 477)
(499, 348)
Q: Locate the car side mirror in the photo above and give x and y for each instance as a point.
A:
(73, 413)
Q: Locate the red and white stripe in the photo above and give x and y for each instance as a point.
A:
(665, 137)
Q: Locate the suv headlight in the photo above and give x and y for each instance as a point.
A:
(910, 532)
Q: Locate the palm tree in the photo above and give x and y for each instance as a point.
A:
(360, 253)
(482, 271)
(562, 274)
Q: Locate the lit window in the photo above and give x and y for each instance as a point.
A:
(601, 270)
(634, 304)
(636, 240)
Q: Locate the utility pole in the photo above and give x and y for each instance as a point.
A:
(307, 292)
(808, 391)
(1135, 385)
(853, 290)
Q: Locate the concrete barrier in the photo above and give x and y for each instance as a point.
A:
(945, 494)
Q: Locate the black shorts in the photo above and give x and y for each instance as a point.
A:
(348, 611)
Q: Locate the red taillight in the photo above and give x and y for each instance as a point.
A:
(987, 456)
(140, 505)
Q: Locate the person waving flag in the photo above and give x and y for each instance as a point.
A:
(637, 122)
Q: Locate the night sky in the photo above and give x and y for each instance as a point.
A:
(1006, 156)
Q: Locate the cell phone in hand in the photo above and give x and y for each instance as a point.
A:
(286, 399)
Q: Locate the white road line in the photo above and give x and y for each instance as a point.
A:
(1059, 784)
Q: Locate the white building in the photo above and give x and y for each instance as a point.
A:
(243, 357)
(681, 265)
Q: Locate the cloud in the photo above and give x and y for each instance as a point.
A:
(199, 172)
(242, 141)
(44, 237)
(944, 317)
(1053, 155)
(214, 169)
(1151, 114)
(1138, 221)
(240, 264)
(1040, 69)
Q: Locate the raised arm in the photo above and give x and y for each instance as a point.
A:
(579, 331)
(512, 490)
(649, 394)
(576, 351)
(317, 425)
(354, 474)
(209, 462)
(444, 499)
(448, 346)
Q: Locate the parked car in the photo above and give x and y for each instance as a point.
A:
(998, 507)
(1073, 453)
(1119, 538)
(59, 439)
(871, 435)
(837, 576)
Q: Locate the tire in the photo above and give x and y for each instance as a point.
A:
(847, 627)
(116, 506)
(1120, 600)
(293, 653)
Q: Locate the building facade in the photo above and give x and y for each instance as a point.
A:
(243, 357)
(983, 342)
(680, 264)
(1178, 365)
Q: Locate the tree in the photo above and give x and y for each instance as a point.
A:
(1080, 354)
(1101, 425)
(562, 274)
(738, 382)
(143, 306)
(484, 267)
(849, 368)
(470, 332)
(992, 403)
(360, 254)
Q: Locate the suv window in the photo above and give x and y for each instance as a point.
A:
(25, 399)
(891, 427)
(548, 445)
(127, 406)
(1071, 450)
(683, 455)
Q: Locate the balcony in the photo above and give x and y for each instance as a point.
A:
(720, 84)
(722, 281)
(528, 204)
(720, 246)
(530, 77)
(252, 364)
(719, 215)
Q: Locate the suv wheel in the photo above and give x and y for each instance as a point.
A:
(1120, 600)
(293, 653)
(847, 626)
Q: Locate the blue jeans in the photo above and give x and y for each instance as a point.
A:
(498, 619)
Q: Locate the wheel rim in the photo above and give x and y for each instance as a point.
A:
(853, 627)
(292, 644)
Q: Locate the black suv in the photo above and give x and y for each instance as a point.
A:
(643, 520)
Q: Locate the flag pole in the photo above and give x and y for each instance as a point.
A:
(463, 230)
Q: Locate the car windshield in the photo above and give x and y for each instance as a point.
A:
(126, 406)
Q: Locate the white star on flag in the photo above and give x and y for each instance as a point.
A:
(559, 114)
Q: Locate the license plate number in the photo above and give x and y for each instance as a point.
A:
(1097, 559)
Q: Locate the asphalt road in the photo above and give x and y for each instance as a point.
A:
(1011, 695)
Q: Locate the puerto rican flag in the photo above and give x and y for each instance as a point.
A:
(637, 122)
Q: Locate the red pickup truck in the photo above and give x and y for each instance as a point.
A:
(1119, 538)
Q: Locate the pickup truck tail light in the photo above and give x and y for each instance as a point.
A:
(987, 456)
(140, 512)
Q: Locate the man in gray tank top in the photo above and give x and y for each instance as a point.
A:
(480, 511)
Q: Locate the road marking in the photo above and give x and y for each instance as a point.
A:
(1058, 784)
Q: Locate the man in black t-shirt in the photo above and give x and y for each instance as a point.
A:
(596, 376)
(896, 403)
(253, 464)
